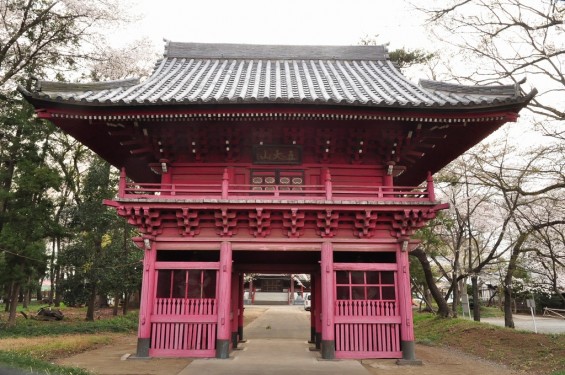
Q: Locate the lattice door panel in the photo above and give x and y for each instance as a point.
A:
(367, 319)
(184, 313)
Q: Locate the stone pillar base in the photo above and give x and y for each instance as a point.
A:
(240, 333)
(328, 349)
(222, 349)
(234, 339)
(318, 340)
(312, 335)
(408, 355)
(143, 348)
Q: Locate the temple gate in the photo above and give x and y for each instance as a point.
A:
(276, 159)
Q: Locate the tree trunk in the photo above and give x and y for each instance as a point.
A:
(116, 306)
(38, 291)
(14, 304)
(126, 304)
(476, 301)
(91, 303)
(443, 308)
(508, 319)
(8, 301)
(57, 300)
(456, 296)
(26, 297)
(52, 271)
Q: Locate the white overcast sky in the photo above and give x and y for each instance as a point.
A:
(305, 22)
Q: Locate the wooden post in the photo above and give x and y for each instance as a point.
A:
(224, 301)
(328, 185)
(318, 313)
(430, 188)
(167, 183)
(122, 184)
(241, 307)
(147, 299)
(312, 310)
(225, 184)
(404, 296)
(328, 334)
(234, 316)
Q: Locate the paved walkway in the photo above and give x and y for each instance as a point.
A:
(525, 322)
(277, 343)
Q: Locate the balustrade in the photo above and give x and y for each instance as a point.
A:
(226, 190)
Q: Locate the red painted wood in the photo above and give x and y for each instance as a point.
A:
(367, 328)
(312, 303)
(224, 292)
(234, 316)
(147, 293)
(327, 287)
(405, 296)
(240, 303)
(187, 265)
(313, 192)
(365, 267)
(318, 301)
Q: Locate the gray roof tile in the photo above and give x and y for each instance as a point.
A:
(200, 73)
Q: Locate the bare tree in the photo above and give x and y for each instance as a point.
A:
(508, 40)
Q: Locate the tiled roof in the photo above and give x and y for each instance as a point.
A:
(195, 73)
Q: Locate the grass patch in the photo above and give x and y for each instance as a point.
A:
(523, 351)
(49, 348)
(35, 328)
(31, 344)
(36, 366)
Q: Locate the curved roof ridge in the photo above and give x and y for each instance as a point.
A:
(456, 88)
(273, 52)
(89, 86)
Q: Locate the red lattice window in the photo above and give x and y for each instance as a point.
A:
(365, 285)
(186, 284)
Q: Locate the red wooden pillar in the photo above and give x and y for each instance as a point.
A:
(224, 301)
(234, 308)
(147, 299)
(166, 178)
(241, 307)
(312, 310)
(405, 307)
(328, 287)
(318, 312)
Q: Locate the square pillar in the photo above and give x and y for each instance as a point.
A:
(147, 298)
(328, 291)
(312, 310)
(241, 307)
(405, 308)
(234, 316)
(223, 297)
(317, 295)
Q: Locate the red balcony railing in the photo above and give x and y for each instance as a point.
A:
(226, 190)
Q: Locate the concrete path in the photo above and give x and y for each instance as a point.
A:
(277, 343)
(525, 322)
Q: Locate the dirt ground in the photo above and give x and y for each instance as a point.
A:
(438, 361)
(111, 360)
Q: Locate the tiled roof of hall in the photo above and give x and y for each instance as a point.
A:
(202, 73)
